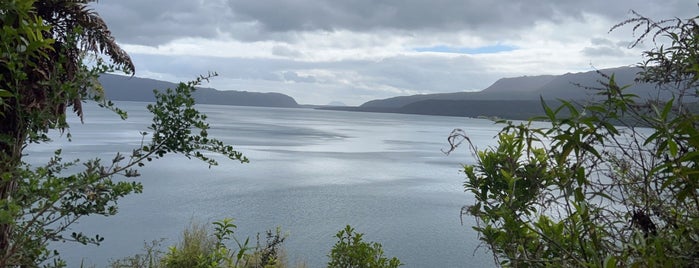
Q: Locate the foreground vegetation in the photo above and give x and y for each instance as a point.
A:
(594, 189)
(199, 248)
(45, 47)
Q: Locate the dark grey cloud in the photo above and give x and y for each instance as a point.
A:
(362, 15)
(603, 47)
(602, 51)
(159, 21)
(284, 51)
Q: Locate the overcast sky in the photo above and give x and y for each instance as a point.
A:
(353, 51)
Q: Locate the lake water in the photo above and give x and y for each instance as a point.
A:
(311, 172)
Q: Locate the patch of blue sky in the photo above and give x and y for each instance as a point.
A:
(467, 50)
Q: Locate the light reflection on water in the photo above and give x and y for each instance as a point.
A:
(311, 172)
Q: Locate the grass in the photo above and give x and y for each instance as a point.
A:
(199, 246)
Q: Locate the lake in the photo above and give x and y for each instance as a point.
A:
(311, 172)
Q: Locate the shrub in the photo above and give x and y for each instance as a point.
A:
(611, 183)
(199, 248)
(351, 252)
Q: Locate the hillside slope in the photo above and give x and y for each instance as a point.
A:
(550, 87)
(126, 88)
(514, 98)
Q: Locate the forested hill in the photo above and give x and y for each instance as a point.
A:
(125, 88)
(514, 98)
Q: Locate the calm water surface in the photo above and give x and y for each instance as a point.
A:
(311, 173)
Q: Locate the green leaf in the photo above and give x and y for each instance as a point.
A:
(549, 113)
(5, 93)
(610, 262)
(672, 145)
(667, 109)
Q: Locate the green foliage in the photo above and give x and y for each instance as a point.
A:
(43, 49)
(201, 249)
(197, 249)
(610, 183)
(175, 118)
(351, 251)
(45, 203)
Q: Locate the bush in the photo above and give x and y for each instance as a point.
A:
(196, 249)
(351, 252)
(611, 183)
(201, 249)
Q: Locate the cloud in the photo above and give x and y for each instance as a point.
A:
(357, 80)
(158, 22)
(602, 51)
(294, 77)
(286, 51)
(603, 47)
(466, 50)
(319, 51)
(416, 15)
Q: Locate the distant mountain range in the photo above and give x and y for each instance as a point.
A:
(125, 88)
(512, 98)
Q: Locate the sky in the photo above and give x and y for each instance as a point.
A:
(353, 51)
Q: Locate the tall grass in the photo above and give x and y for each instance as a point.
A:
(199, 246)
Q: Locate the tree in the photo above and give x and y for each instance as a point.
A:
(611, 182)
(44, 47)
